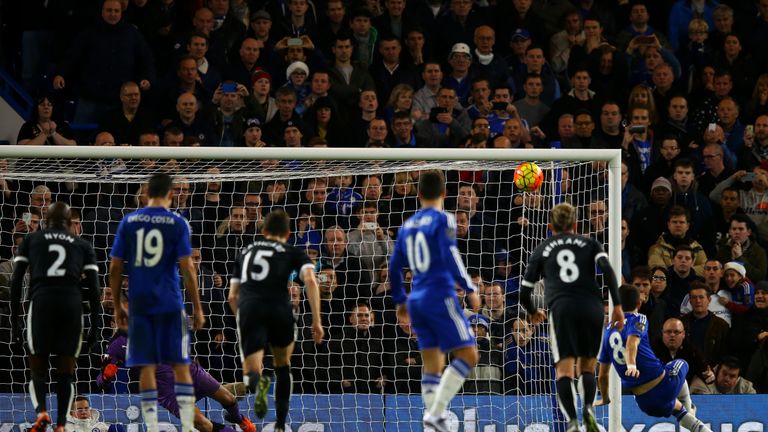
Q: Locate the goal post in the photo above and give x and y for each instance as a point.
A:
(66, 166)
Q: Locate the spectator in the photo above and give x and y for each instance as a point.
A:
(716, 287)
(42, 129)
(669, 151)
(486, 376)
(476, 251)
(535, 62)
(231, 236)
(83, 418)
(653, 305)
(488, 64)
(751, 201)
(663, 251)
(727, 380)
(446, 126)
(716, 173)
(286, 113)
(674, 345)
(389, 71)
(748, 334)
(355, 281)
(686, 195)
(740, 245)
(96, 70)
(680, 277)
(755, 149)
(740, 290)
(705, 330)
(402, 131)
(425, 98)
(502, 109)
(530, 107)
(188, 120)
(348, 77)
(527, 359)
(228, 117)
(369, 241)
(407, 363)
(498, 314)
(365, 367)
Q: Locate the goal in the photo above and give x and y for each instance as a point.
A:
(347, 205)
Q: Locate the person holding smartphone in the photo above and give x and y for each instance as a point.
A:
(446, 125)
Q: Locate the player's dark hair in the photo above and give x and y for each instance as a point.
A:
(159, 185)
(562, 217)
(640, 272)
(679, 211)
(682, 163)
(431, 184)
(59, 215)
(277, 223)
(630, 297)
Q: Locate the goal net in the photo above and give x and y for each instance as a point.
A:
(346, 206)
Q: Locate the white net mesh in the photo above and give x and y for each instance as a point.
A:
(346, 213)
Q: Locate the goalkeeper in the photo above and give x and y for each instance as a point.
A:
(204, 384)
(660, 390)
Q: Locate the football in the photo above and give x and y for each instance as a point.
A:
(528, 177)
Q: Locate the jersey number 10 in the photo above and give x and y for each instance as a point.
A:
(151, 244)
(418, 252)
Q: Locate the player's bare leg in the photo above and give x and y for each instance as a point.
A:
(464, 359)
(565, 369)
(687, 419)
(38, 364)
(257, 384)
(283, 384)
(685, 398)
(588, 386)
(148, 387)
(185, 396)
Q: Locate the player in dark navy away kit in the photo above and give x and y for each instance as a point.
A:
(660, 390)
(567, 263)
(153, 244)
(427, 244)
(56, 259)
(261, 301)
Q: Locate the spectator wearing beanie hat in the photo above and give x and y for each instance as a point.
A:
(260, 102)
(742, 289)
(296, 74)
(252, 133)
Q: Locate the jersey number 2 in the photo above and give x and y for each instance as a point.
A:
(152, 244)
(61, 255)
(418, 252)
(569, 271)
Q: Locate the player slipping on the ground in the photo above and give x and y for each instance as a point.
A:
(660, 390)
(427, 244)
(260, 300)
(567, 263)
(56, 259)
(153, 245)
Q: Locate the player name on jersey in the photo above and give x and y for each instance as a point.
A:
(563, 241)
(59, 236)
(418, 222)
(264, 243)
(152, 218)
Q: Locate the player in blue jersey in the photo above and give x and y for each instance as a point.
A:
(152, 244)
(426, 244)
(660, 390)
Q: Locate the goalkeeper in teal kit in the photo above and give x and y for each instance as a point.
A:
(660, 390)
(426, 244)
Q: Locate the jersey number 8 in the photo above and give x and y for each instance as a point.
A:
(569, 271)
(418, 252)
(617, 347)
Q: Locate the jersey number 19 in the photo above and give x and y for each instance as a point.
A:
(418, 252)
(151, 244)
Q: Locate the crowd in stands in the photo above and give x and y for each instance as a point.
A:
(681, 87)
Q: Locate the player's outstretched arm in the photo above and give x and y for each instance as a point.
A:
(633, 341)
(189, 276)
(602, 384)
(313, 295)
(115, 284)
